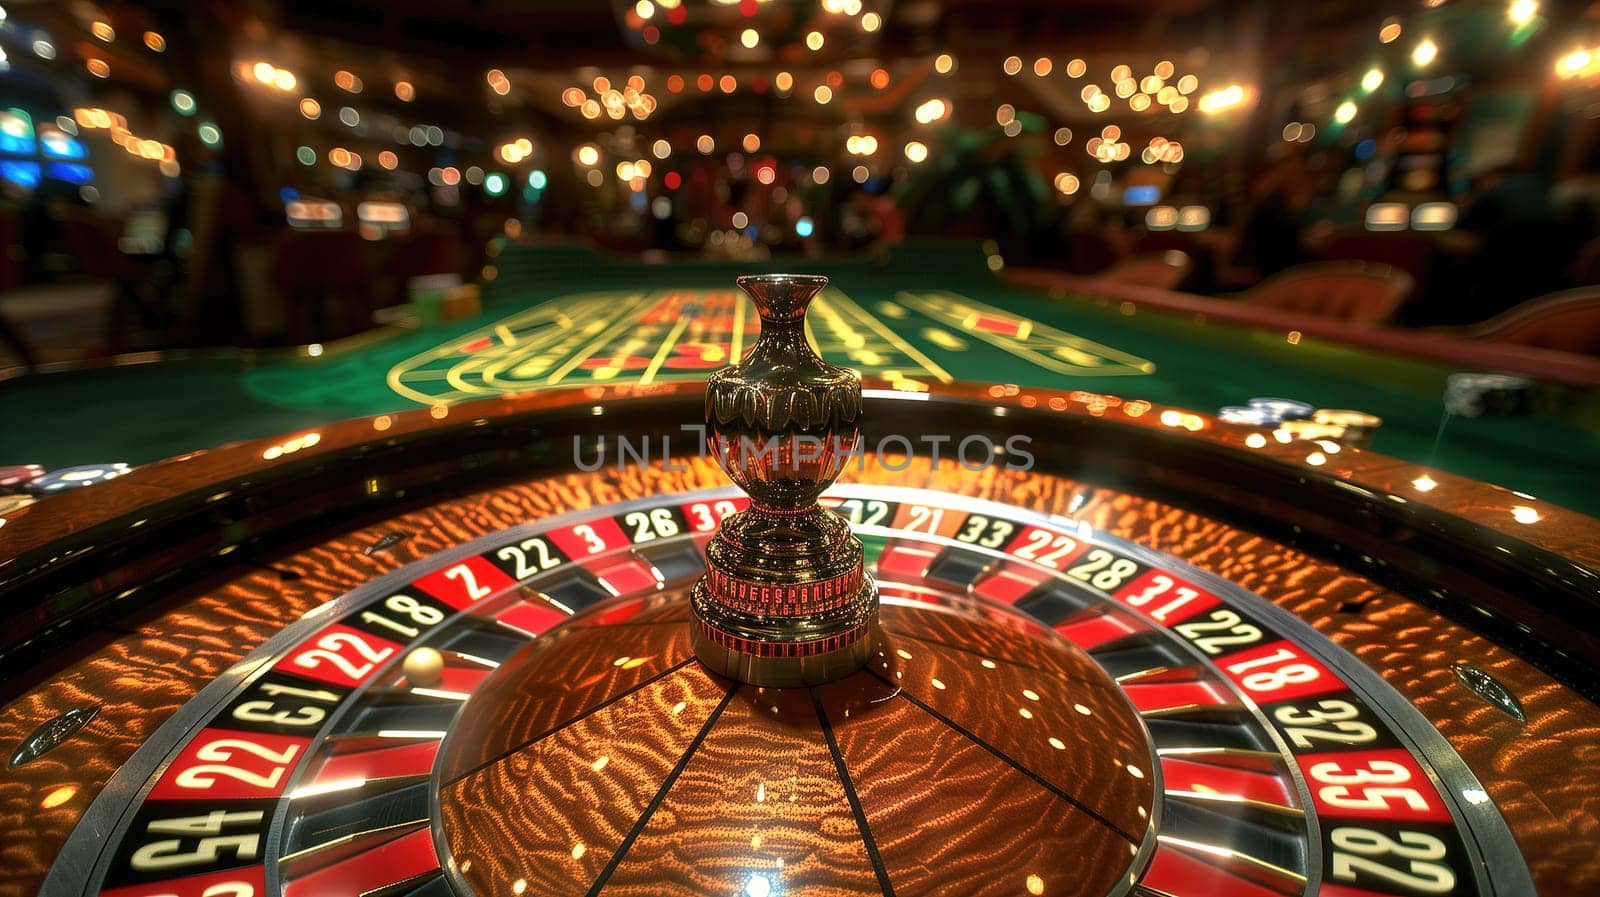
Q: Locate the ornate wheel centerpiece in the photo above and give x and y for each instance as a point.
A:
(772, 730)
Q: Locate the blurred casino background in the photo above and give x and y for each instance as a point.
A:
(266, 173)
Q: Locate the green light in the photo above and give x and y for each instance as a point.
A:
(210, 134)
(537, 179)
(306, 155)
(183, 102)
(495, 183)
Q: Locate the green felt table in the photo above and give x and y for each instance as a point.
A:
(925, 315)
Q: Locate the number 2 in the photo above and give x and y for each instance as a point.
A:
(328, 651)
(219, 755)
(1355, 849)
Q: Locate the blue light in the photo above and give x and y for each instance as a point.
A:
(183, 102)
(804, 227)
(1142, 195)
(1366, 148)
(57, 145)
(537, 179)
(288, 195)
(72, 174)
(23, 174)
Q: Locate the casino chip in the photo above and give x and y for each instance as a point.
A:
(1283, 409)
(1492, 395)
(76, 477)
(18, 476)
(1246, 415)
(9, 503)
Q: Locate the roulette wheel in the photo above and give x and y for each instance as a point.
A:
(979, 639)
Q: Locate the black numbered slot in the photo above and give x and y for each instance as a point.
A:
(678, 560)
(402, 617)
(437, 886)
(495, 645)
(1190, 732)
(280, 704)
(574, 588)
(1051, 602)
(351, 819)
(403, 711)
(1279, 845)
(1138, 653)
(958, 567)
(170, 839)
(1396, 858)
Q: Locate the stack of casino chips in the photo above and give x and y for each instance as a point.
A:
(13, 480)
(1487, 395)
(1294, 419)
(23, 484)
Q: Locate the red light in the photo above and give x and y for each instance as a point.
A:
(677, 15)
(672, 180)
(748, 7)
(652, 33)
(835, 80)
(703, 82)
(759, 84)
(675, 82)
(880, 78)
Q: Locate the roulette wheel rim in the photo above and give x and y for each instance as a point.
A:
(982, 397)
(1490, 847)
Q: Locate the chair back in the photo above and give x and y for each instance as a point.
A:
(1359, 293)
(1158, 270)
(1568, 321)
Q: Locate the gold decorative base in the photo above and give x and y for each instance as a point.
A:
(786, 652)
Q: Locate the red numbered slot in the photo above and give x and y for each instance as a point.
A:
(381, 763)
(1010, 581)
(249, 881)
(339, 655)
(592, 537)
(1046, 547)
(1278, 671)
(221, 764)
(1157, 696)
(703, 516)
(1164, 598)
(1178, 774)
(531, 618)
(466, 583)
(1092, 628)
(1385, 784)
(402, 859)
(626, 574)
(1183, 869)
(908, 560)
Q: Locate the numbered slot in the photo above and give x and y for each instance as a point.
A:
(220, 764)
(704, 516)
(169, 840)
(249, 881)
(527, 557)
(1165, 598)
(465, 583)
(1105, 571)
(340, 655)
(1278, 671)
(1389, 858)
(1385, 784)
(402, 617)
(283, 705)
(1046, 547)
